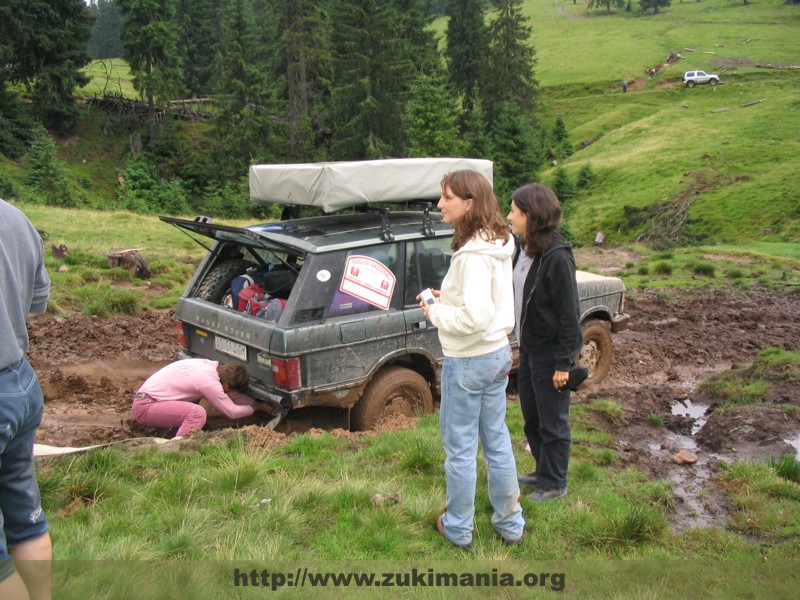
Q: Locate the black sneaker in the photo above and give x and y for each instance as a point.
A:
(545, 495)
(510, 542)
(531, 479)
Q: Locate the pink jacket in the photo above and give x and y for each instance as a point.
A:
(190, 380)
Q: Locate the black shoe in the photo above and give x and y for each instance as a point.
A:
(510, 542)
(546, 495)
(531, 479)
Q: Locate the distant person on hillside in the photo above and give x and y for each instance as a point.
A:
(170, 396)
(25, 546)
(624, 86)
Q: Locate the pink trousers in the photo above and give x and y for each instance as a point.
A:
(186, 416)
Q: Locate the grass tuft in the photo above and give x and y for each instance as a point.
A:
(786, 466)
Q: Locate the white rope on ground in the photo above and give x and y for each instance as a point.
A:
(41, 450)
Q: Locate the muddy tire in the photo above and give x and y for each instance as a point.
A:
(597, 351)
(712, 82)
(690, 84)
(393, 391)
(217, 284)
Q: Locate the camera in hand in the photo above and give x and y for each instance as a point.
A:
(426, 296)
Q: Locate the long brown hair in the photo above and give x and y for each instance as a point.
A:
(484, 217)
(543, 210)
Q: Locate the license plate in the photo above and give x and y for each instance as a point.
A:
(231, 348)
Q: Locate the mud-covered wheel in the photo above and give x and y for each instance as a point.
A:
(217, 284)
(712, 82)
(596, 352)
(690, 84)
(393, 391)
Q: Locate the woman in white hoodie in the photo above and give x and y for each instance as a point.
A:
(474, 315)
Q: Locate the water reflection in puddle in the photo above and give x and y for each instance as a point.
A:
(795, 443)
(686, 408)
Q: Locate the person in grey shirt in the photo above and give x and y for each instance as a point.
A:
(24, 288)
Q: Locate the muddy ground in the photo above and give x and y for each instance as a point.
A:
(89, 366)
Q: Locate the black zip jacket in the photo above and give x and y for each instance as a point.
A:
(550, 309)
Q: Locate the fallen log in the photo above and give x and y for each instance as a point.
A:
(754, 102)
(771, 66)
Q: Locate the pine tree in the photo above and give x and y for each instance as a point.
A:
(511, 60)
(420, 41)
(46, 175)
(563, 186)
(561, 147)
(105, 41)
(475, 133)
(198, 32)
(43, 47)
(432, 119)
(513, 152)
(150, 38)
(247, 102)
(467, 48)
(304, 63)
(585, 176)
(372, 78)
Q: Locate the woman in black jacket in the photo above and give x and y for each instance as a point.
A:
(549, 333)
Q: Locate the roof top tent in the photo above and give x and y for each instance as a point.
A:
(332, 186)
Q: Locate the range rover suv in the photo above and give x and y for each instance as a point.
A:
(350, 333)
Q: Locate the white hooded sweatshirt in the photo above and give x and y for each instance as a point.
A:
(475, 312)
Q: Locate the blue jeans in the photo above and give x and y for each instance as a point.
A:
(473, 407)
(21, 404)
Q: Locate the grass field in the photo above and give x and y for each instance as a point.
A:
(109, 76)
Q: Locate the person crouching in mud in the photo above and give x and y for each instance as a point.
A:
(170, 396)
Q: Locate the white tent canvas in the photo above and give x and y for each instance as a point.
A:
(335, 185)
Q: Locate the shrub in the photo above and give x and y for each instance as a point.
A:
(585, 176)
(46, 175)
(705, 269)
(644, 270)
(734, 273)
(142, 192)
(563, 186)
(662, 268)
(7, 189)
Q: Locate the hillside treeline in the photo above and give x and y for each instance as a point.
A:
(288, 81)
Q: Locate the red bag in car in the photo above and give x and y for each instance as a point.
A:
(249, 297)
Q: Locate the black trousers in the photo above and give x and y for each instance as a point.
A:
(546, 413)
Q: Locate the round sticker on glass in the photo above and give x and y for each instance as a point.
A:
(323, 275)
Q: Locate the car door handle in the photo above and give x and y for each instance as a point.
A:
(420, 325)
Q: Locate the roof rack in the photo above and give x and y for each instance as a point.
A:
(427, 226)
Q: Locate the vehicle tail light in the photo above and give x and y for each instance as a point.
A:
(286, 372)
(181, 334)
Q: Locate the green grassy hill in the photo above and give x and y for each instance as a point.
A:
(662, 149)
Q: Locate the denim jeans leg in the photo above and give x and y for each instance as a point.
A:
(458, 421)
(21, 406)
(496, 441)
